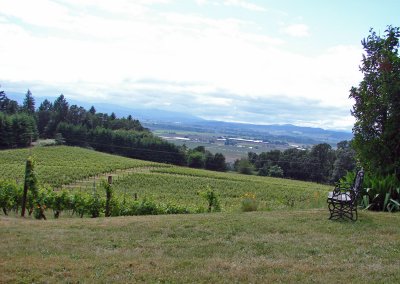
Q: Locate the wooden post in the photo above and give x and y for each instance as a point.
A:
(108, 197)
(25, 194)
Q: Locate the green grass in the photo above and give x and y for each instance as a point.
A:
(258, 247)
(290, 246)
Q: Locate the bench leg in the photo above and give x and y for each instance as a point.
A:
(340, 210)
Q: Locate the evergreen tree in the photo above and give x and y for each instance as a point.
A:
(61, 108)
(43, 118)
(92, 110)
(28, 105)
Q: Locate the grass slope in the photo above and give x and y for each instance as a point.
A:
(257, 247)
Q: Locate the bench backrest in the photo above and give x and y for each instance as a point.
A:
(358, 182)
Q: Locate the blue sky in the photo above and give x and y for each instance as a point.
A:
(254, 61)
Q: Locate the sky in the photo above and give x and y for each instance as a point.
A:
(254, 61)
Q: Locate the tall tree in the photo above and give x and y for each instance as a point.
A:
(321, 162)
(345, 160)
(92, 110)
(28, 105)
(61, 107)
(377, 104)
(6, 105)
(43, 118)
(3, 99)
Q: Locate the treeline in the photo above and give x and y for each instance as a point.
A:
(74, 125)
(321, 163)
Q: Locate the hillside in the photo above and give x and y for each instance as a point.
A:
(62, 165)
(279, 243)
(80, 168)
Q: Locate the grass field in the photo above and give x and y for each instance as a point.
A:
(299, 246)
(287, 241)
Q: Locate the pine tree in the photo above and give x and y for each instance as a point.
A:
(29, 103)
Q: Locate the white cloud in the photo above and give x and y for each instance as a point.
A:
(297, 30)
(245, 5)
(232, 3)
(95, 47)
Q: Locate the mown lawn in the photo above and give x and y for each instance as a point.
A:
(256, 247)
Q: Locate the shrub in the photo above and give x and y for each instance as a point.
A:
(244, 167)
(275, 171)
(212, 199)
(95, 205)
(144, 207)
(249, 202)
(79, 203)
(379, 193)
(8, 192)
(59, 201)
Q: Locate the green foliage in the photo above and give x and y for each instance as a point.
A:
(59, 139)
(75, 126)
(212, 199)
(196, 160)
(319, 164)
(17, 130)
(95, 204)
(31, 180)
(380, 193)
(275, 171)
(29, 103)
(31, 189)
(59, 202)
(174, 189)
(244, 166)
(8, 195)
(377, 104)
(249, 202)
(79, 203)
(345, 161)
(109, 197)
(83, 203)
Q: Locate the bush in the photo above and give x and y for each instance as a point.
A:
(212, 199)
(244, 166)
(249, 202)
(379, 193)
(275, 171)
(95, 205)
(8, 192)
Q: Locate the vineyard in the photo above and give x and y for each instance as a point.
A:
(182, 186)
(63, 165)
(77, 169)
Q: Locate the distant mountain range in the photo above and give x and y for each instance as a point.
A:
(161, 119)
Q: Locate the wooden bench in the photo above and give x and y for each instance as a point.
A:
(342, 201)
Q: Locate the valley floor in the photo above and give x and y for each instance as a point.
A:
(256, 247)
